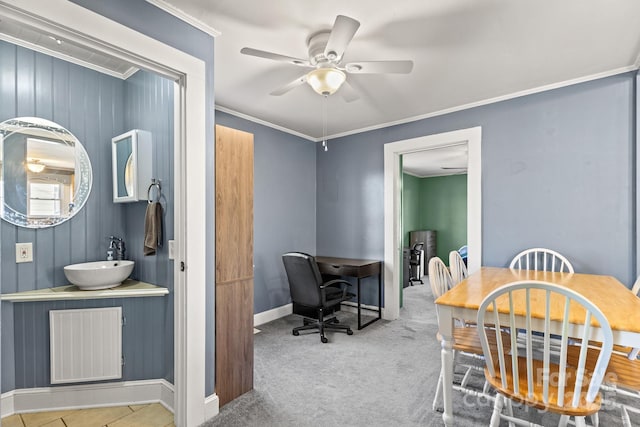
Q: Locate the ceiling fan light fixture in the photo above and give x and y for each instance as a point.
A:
(325, 81)
(35, 166)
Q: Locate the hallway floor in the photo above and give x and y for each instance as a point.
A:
(151, 415)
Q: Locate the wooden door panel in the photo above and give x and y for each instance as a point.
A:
(234, 339)
(234, 204)
(234, 263)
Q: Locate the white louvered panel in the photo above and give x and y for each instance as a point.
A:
(86, 344)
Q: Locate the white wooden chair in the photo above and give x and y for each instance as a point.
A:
(466, 339)
(457, 267)
(543, 383)
(623, 376)
(439, 277)
(636, 287)
(541, 259)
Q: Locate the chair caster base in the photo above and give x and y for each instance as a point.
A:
(295, 333)
(349, 332)
(324, 340)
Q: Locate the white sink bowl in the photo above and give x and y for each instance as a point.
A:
(90, 276)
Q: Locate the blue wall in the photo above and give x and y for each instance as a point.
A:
(148, 19)
(93, 107)
(73, 97)
(148, 105)
(284, 206)
(557, 171)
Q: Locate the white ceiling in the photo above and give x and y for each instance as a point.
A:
(465, 52)
(450, 160)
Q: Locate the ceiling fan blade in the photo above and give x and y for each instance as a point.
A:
(344, 28)
(348, 92)
(274, 56)
(286, 88)
(383, 67)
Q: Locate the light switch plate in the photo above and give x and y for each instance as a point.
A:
(172, 253)
(24, 252)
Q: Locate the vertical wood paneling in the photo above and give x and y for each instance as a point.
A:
(93, 107)
(43, 86)
(86, 344)
(25, 77)
(142, 338)
(62, 115)
(8, 344)
(149, 106)
(79, 83)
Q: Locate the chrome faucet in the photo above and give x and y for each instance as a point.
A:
(116, 247)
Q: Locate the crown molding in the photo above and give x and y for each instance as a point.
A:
(180, 14)
(488, 101)
(265, 123)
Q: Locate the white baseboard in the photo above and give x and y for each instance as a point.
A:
(285, 310)
(211, 406)
(352, 307)
(87, 396)
(273, 314)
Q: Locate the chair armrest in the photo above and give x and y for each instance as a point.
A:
(339, 290)
(334, 282)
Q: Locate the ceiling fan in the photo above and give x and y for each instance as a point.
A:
(325, 51)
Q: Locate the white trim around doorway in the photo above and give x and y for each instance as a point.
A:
(392, 205)
(82, 26)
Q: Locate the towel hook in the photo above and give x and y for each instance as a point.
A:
(154, 183)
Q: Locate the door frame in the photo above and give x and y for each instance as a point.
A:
(393, 152)
(72, 22)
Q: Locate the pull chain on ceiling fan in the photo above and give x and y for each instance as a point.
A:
(324, 123)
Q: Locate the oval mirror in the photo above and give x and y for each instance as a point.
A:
(45, 173)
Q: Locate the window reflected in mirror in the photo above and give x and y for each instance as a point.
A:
(46, 173)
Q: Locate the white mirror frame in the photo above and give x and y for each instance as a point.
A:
(25, 126)
(73, 22)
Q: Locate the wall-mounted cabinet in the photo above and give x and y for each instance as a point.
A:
(132, 166)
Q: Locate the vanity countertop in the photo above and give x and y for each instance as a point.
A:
(128, 289)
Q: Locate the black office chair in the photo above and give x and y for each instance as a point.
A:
(414, 263)
(313, 298)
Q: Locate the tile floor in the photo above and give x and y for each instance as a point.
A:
(151, 415)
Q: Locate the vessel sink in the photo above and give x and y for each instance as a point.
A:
(90, 276)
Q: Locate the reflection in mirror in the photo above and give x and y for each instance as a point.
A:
(123, 169)
(45, 174)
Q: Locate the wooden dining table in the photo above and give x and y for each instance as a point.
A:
(620, 306)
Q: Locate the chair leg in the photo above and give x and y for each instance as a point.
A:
(321, 326)
(580, 422)
(595, 420)
(510, 412)
(497, 410)
(626, 421)
(306, 327)
(436, 398)
(564, 420)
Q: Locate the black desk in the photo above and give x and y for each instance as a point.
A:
(358, 268)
